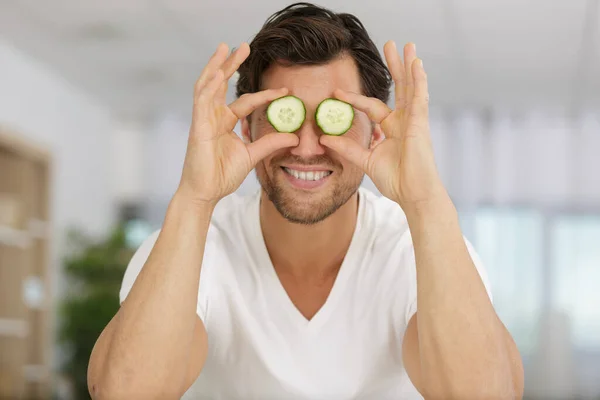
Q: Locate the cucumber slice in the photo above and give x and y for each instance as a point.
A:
(286, 114)
(334, 116)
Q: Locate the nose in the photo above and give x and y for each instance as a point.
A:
(309, 145)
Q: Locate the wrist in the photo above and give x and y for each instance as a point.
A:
(436, 210)
(184, 202)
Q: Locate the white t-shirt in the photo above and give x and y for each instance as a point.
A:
(262, 347)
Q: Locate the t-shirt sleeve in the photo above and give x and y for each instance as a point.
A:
(141, 256)
(412, 306)
(136, 264)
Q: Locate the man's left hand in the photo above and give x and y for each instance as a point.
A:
(402, 167)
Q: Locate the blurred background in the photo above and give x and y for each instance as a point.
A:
(95, 101)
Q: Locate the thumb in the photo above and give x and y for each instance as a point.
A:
(348, 149)
(270, 143)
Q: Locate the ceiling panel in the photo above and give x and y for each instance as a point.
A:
(143, 56)
(211, 22)
(132, 64)
(106, 18)
(530, 47)
(134, 29)
(495, 31)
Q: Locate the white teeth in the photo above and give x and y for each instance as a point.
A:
(308, 175)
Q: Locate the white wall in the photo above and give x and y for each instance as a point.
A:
(46, 109)
(128, 152)
(41, 106)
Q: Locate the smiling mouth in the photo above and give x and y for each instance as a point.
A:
(307, 175)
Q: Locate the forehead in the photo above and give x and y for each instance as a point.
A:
(313, 83)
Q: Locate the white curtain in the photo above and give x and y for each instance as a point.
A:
(528, 189)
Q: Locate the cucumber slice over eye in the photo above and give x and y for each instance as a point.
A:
(286, 114)
(334, 116)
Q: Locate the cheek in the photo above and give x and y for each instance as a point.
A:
(261, 127)
(360, 134)
(266, 165)
(261, 172)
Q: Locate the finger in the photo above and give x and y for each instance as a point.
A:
(209, 91)
(243, 106)
(410, 54)
(419, 108)
(270, 143)
(396, 68)
(376, 109)
(347, 148)
(236, 59)
(213, 64)
(231, 65)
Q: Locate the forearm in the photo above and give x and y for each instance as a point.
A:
(147, 343)
(465, 350)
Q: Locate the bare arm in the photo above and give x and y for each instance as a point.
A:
(144, 352)
(155, 346)
(457, 347)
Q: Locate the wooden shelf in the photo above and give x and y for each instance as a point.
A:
(38, 229)
(25, 274)
(14, 237)
(20, 238)
(35, 373)
(17, 328)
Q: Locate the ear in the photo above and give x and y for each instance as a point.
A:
(377, 136)
(246, 135)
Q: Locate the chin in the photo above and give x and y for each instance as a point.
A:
(305, 213)
(307, 207)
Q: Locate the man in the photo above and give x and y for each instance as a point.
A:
(308, 291)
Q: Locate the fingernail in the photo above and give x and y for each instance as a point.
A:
(421, 62)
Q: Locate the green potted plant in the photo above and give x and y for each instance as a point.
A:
(94, 271)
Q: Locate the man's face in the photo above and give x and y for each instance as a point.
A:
(309, 182)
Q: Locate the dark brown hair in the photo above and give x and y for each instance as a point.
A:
(303, 33)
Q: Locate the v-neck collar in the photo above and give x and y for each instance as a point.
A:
(275, 287)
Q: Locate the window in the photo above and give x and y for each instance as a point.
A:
(575, 276)
(510, 243)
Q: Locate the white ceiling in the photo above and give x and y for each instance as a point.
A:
(142, 56)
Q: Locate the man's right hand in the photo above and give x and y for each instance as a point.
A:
(217, 160)
(158, 325)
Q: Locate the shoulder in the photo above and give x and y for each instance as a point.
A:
(226, 227)
(231, 215)
(390, 225)
(386, 243)
(384, 219)
(392, 247)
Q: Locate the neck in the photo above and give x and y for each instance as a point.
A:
(306, 251)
